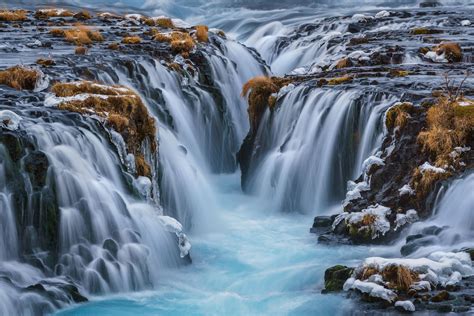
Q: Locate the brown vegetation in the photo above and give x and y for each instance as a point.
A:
(335, 81)
(181, 43)
(123, 109)
(424, 31)
(80, 50)
(398, 115)
(80, 35)
(343, 63)
(52, 13)
(164, 23)
(114, 46)
(83, 15)
(160, 37)
(131, 40)
(259, 91)
(20, 78)
(398, 73)
(13, 15)
(202, 33)
(45, 62)
(399, 277)
(452, 51)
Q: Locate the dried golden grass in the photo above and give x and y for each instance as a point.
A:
(80, 50)
(142, 167)
(160, 37)
(164, 23)
(343, 63)
(423, 182)
(113, 46)
(52, 13)
(202, 33)
(399, 277)
(79, 35)
(45, 62)
(258, 90)
(182, 43)
(13, 15)
(449, 125)
(83, 15)
(20, 78)
(124, 110)
(398, 115)
(131, 40)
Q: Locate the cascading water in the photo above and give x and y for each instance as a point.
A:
(312, 144)
(113, 234)
(452, 221)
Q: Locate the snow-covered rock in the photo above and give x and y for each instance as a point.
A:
(379, 224)
(373, 289)
(434, 57)
(465, 22)
(382, 14)
(9, 120)
(409, 217)
(406, 305)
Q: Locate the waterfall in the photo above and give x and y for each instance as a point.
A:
(313, 143)
(200, 125)
(452, 224)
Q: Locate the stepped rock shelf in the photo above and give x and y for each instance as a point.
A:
(100, 158)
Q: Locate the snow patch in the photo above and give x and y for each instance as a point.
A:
(373, 289)
(406, 189)
(9, 120)
(406, 305)
(430, 168)
(434, 57)
(465, 22)
(382, 14)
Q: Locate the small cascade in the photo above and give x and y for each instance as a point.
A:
(452, 224)
(313, 143)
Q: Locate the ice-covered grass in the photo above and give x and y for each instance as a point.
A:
(439, 269)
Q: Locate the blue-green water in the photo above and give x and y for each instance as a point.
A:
(251, 262)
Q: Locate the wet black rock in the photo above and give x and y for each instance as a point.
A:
(430, 4)
(36, 164)
(335, 277)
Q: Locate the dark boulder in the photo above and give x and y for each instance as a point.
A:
(335, 277)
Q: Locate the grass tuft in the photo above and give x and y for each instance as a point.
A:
(20, 78)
